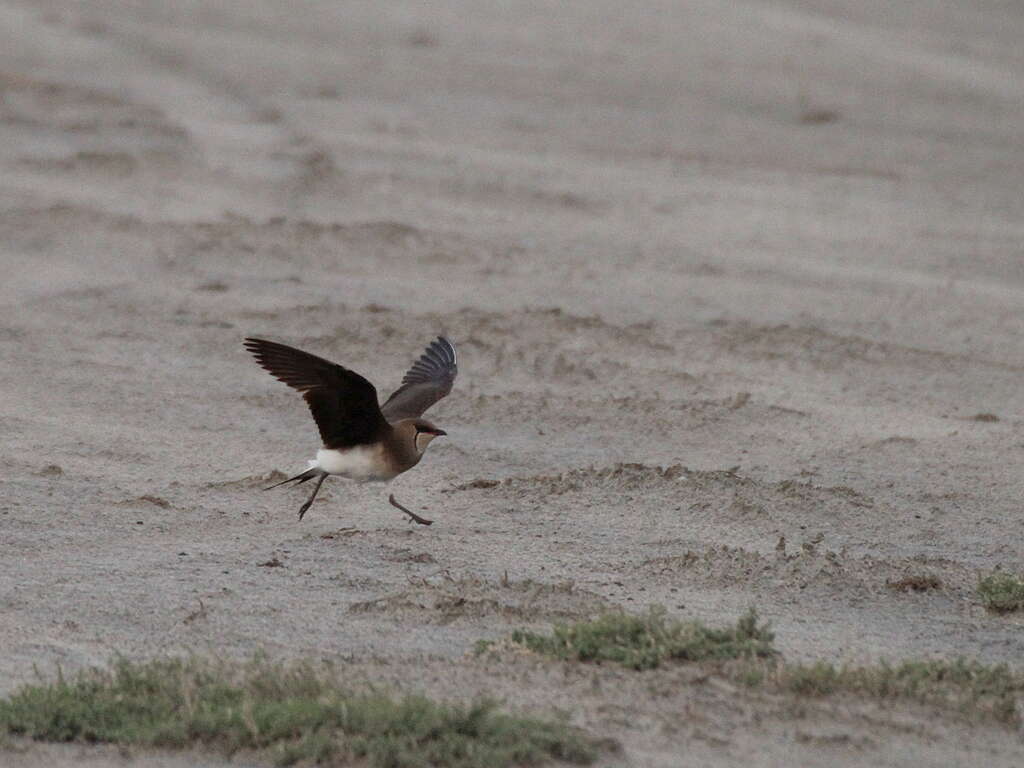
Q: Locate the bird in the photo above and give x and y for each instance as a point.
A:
(363, 440)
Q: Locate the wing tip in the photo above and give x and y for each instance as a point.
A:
(448, 346)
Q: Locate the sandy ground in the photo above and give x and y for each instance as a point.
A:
(737, 289)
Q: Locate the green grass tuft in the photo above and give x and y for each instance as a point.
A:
(646, 641)
(287, 713)
(1002, 592)
(482, 646)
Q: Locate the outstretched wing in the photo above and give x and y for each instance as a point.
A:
(430, 378)
(343, 403)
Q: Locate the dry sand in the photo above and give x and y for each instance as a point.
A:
(720, 274)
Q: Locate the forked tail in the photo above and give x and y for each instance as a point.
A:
(302, 477)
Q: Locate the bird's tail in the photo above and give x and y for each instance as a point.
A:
(302, 477)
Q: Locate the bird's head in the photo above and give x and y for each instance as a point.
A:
(423, 432)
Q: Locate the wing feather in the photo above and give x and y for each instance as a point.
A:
(344, 404)
(429, 379)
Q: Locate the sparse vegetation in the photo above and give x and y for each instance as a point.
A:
(1002, 592)
(964, 685)
(285, 713)
(646, 641)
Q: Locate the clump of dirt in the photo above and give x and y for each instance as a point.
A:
(445, 600)
(917, 582)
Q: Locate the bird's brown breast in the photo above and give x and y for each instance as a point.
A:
(399, 449)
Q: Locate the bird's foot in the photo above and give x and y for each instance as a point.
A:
(412, 515)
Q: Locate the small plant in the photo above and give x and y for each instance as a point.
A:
(480, 647)
(289, 713)
(1002, 592)
(819, 679)
(646, 641)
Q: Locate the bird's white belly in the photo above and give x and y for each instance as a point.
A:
(359, 463)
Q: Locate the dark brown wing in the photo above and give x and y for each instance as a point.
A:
(430, 378)
(344, 404)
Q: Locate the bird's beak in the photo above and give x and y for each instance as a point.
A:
(439, 432)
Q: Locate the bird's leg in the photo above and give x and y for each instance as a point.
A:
(413, 515)
(316, 490)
